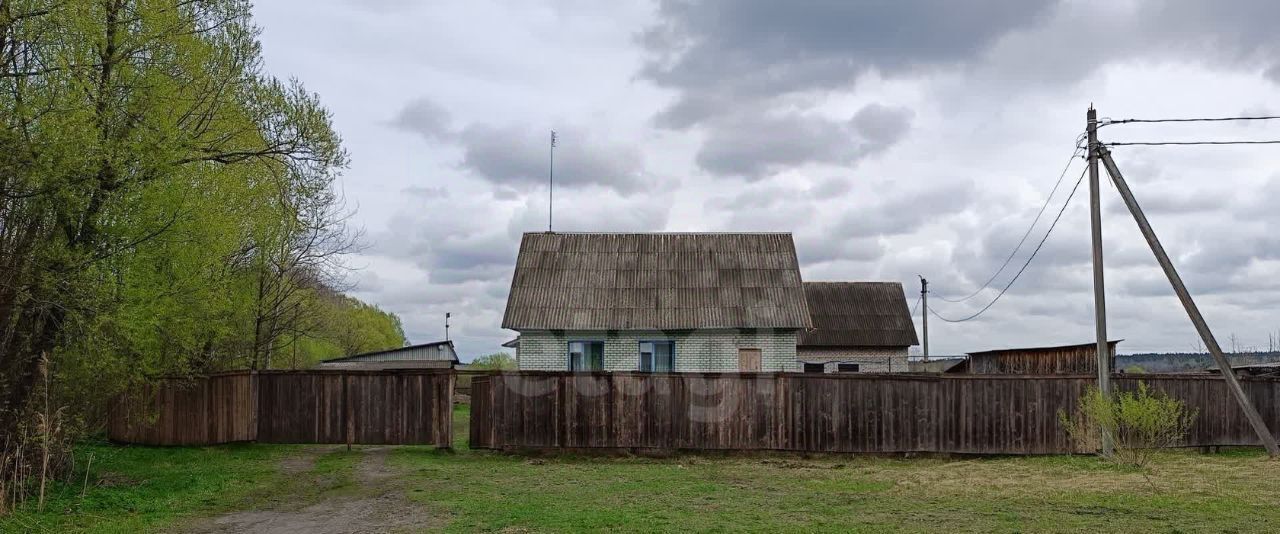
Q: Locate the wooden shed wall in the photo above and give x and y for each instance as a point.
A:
(1060, 361)
(822, 413)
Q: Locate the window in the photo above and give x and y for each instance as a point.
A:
(657, 356)
(847, 368)
(586, 355)
(814, 368)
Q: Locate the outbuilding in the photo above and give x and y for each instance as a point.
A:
(1080, 359)
(435, 355)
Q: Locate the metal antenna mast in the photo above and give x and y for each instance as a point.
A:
(551, 181)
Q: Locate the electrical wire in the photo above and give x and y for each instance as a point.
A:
(916, 305)
(1026, 234)
(1164, 143)
(1029, 258)
(1108, 122)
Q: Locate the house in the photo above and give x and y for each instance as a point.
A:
(1081, 359)
(436, 355)
(858, 327)
(657, 302)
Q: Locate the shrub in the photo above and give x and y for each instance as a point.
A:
(1140, 422)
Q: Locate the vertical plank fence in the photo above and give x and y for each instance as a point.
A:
(327, 406)
(963, 414)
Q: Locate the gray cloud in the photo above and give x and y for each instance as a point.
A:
(906, 211)
(753, 146)
(720, 53)
(425, 118)
(518, 158)
(514, 158)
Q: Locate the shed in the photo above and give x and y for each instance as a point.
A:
(1064, 359)
(435, 355)
(857, 327)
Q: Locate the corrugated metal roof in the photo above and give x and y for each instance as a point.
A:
(438, 350)
(659, 281)
(858, 314)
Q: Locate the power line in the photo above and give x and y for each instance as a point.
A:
(1029, 258)
(1108, 122)
(1163, 143)
(916, 305)
(1026, 234)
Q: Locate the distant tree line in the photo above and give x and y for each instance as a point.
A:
(166, 206)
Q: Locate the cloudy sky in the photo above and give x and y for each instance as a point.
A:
(892, 138)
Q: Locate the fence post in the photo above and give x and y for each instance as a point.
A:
(447, 431)
(255, 405)
(347, 422)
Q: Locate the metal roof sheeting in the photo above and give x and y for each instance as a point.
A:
(858, 314)
(659, 281)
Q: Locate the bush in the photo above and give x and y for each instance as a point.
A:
(1140, 422)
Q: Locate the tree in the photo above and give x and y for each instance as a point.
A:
(165, 205)
(498, 361)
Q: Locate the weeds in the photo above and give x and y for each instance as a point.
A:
(1139, 422)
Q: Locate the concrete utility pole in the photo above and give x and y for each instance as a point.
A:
(1251, 413)
(924, 314)
(1099, 290)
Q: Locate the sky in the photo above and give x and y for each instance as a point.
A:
(893, 139)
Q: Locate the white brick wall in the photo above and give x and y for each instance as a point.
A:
(869, 359)
(697, 350)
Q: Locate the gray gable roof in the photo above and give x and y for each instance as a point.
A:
(667, 281)
(858, 314)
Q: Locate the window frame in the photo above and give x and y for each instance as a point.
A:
(653, 355)
(804, 368)
(857, 367)
(585, 343)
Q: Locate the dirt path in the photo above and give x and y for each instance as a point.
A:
(374, 502)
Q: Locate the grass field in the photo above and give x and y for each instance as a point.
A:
(145, 489)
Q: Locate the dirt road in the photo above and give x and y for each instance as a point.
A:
(370, 499)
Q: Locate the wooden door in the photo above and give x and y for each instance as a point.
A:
(749, 360)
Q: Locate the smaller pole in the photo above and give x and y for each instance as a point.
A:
(446, 325)
(924, 314)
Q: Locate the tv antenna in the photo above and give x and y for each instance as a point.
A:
(551, 181)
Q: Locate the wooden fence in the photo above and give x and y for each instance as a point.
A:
(329, 406)
(964, 414)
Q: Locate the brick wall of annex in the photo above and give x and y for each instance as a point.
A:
(869, 359)
(697, 350)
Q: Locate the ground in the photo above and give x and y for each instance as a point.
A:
(326, 489)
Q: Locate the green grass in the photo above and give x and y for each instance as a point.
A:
(1184, 492)
(1238, 490)
(142, 489)
(146, 489)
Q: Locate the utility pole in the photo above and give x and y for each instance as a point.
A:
(446, 325)
(1251, 413)
(924, 313)
(551, 181)
(1099, 291)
